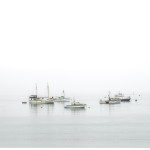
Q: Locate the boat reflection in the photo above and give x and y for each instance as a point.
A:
(113, 107)
(75, 110)
(41, 108)
(110, 108)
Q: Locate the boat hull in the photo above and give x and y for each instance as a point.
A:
(109, 102)
(47, 102)
(41, 102)
(104, 102)
(125, 100)
(62, 100)
(74, 106)
(35, 102)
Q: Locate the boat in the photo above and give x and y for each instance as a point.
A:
(24, 102)
(62, 98)
(34, 99)
(114, 101)
(75, 105)
(122, 97)
(104, 101)
(110, 100)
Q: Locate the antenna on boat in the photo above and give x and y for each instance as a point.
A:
(48, 90)
(64, 93)
(36, 89)
(109, 95)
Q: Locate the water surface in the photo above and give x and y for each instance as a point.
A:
(51, 125)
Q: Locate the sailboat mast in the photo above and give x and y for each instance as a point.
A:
(109, 95)
(64, 93)
(48, 90)
(36, 89)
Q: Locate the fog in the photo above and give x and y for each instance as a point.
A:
(80, 46)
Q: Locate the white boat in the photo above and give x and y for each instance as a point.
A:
(62, 98)
(75, 105)
(122, 97)
(34, 99)
(110, 100)
(114, 101)
(104, 101)
(39, 100)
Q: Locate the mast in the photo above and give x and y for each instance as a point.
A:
(64, 93)
(36, 89)
(48, 90)
(109, 95)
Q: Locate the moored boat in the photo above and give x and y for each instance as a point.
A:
(104, 101)
(114, 101)
(24, 102)
(122, 97)
(110, 100)
(75, 105)
(34, 99)
(62, 98)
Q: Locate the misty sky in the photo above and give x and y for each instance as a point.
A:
(81, 46)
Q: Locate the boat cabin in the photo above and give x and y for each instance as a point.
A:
(33, 97)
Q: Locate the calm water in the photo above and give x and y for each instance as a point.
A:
(50, 125)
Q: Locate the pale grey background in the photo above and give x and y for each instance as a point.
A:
(86, 48)
(74, 44)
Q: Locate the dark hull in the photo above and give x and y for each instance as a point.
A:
(125, 100)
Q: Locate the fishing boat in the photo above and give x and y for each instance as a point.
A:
(62, 98)
(114, 101)
(122, 97)
(34, 99)
(75, 105)
(104, 101)
(110, 100)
